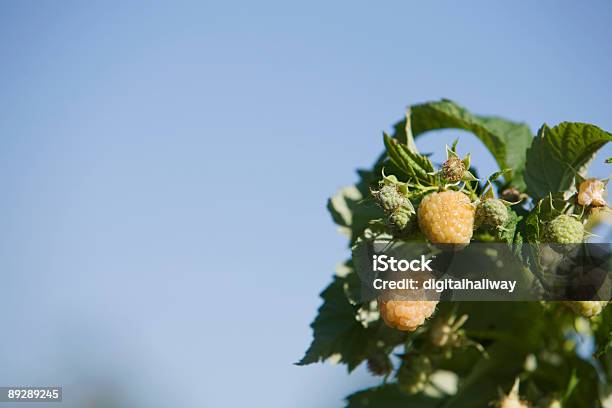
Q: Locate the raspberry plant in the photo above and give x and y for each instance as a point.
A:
(541, 194)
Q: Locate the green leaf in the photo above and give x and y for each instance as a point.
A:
(409, 162)
(336, 331)
(389, 396)
(352, 209)
(500, 321)
(584, 393)
(508, 233)
(558, 153)
(571, 385)
(603, 333)
(532, 227)
(403, 133)
(493, 177)
(480, 387)
(506, 140)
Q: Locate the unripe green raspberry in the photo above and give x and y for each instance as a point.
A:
(400, 220)
(392, 197)
(414, 373)
(564, 231)
(587, 308)
(453, 169)
(491, 213)
(389, 197)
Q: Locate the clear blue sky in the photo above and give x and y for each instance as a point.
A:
(164, 169)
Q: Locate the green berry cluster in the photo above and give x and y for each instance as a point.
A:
(393, 198)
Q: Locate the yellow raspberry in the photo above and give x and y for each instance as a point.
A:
(406, 315)
(591, 192)
(446, 217)
(587, 308)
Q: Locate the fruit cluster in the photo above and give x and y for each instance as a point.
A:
(540, 206)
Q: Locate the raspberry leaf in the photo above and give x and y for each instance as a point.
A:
(335, 329)
(532, 227)
(412, 164)
(506, 140)
(509, 230)
(351, 209)
(403, 133)
(603, 334)
(338, 334)
(480, 387)
(558, 154)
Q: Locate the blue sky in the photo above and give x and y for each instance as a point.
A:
(164, 169)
